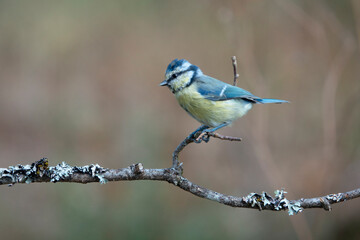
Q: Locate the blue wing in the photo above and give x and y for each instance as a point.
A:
(216, 90)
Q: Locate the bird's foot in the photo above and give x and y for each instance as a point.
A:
(203, 136)
(194, 135)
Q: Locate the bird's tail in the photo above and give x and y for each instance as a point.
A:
(269, 100)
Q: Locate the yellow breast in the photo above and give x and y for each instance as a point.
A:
(211, 113)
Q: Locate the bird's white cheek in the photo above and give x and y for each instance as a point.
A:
(181, 81)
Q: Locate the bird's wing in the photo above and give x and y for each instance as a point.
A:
(216, 90)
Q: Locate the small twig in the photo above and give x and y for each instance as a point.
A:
(219, 136)
(189, 139)
(194, 138)
(222, 137)
(234, 63)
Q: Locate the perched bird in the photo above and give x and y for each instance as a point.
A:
(212, 102)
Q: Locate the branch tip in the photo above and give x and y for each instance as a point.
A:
(234, 63)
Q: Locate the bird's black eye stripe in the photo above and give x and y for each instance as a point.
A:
(175, 75)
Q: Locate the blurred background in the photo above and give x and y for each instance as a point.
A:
(79, 83)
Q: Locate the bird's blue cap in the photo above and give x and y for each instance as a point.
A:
(175, 64)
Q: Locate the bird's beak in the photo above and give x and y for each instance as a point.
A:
(164, 83)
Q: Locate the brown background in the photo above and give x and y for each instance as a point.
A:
(79, 83)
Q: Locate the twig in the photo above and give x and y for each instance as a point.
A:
(234, 63)
(189, 139)
(40, 172)
(217, 135)
(196, 136)
(222, 137)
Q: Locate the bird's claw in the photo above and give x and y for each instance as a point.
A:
(206, 137)
(203, 136)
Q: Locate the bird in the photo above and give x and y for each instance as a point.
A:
(213, 103)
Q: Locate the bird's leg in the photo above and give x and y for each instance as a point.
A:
(204, 135)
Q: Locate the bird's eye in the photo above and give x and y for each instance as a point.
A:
(174, 75)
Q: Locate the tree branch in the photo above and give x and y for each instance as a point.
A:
(40, 172)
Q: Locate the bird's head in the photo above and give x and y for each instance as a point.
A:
(180, 74)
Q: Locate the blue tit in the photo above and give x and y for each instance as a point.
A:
(213, 103)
